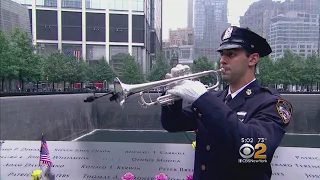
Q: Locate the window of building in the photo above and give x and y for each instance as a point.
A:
(137, 53)
(47, 3)
(138, 5)
(115, 50)
(119, 5)
(95, 52)
(97, 4)
(45, 49)
(72, 50)
(71, 4)
(27, 2)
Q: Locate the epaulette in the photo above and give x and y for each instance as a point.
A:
(270, 90)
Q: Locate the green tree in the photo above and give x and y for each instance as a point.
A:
(285, 69)
(55, 67)
(101, 71)
(266, 68)
(9, 68)
(160, 68)
(203, 64)
(311, 71)
(130, 71)
(29, 66)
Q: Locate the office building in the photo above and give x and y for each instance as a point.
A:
(13, 15)
(183, 54)
(98, 28)
(296, 31)
(181, 36)
(190, 14)
(257, 17)
(210, 20)
(307, 6)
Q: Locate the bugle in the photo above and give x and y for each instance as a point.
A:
(122, 91)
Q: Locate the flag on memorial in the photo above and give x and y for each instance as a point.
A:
(44, 152)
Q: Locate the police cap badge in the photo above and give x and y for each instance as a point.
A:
(285, 110)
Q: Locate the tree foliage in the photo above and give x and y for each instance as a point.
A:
(130, 71)
(101, 71)
(203, 64)
(160, 68)
(18, 61)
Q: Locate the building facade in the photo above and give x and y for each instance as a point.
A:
(183, 54)
(190, 14)
(296, 31)
(210, 20)
(13, 15)
(257, 17)
(181, 36)
(98, 29)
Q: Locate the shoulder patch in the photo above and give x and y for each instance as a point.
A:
(285, 110)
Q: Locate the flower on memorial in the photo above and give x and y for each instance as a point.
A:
(190, 176)
(36, 175)
(128, 176)
(161, 176)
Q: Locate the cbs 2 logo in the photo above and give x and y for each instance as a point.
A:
(247, 151)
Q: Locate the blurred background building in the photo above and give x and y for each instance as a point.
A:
(210, 20)
(13, 15)
(95, 29)
(292, 24)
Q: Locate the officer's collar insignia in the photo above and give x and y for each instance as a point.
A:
(241, 115)
(248, 92)
(285, 110)
(228, 33)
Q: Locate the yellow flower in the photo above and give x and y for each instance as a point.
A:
(194, 145)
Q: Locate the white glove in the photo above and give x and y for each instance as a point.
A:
(188, 90)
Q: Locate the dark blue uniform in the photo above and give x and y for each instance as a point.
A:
(255, 115)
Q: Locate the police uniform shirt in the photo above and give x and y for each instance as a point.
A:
(233, 95)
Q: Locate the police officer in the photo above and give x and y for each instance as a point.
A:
(233, 124)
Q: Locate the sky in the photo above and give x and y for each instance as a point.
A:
(175, 13)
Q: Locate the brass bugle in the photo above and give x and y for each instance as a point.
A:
(123, 91)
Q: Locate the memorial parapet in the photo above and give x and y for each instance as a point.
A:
(111, 160)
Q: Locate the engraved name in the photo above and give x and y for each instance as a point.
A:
(95, 167)
(175, 169)
(307, 157)
(296, 165)
(128, 168)
(312, 176)
(137, 152)
(29, 174)
(172, 153)
(155, 160)
(88, 176)
(30, 165)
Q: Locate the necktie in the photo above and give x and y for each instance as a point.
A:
(228, 99)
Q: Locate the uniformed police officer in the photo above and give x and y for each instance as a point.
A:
(233, 124)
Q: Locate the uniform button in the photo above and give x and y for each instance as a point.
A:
(199, 114)
(203, 167)
(195, 109)
(208, 147)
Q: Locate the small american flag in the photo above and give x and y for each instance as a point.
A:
(44, 153)
(77, 54)
(74, 53)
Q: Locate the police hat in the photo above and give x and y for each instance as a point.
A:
(235, 37)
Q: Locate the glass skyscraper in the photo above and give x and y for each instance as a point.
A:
(210, 20)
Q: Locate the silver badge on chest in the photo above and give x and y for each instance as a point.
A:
(241, 115)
